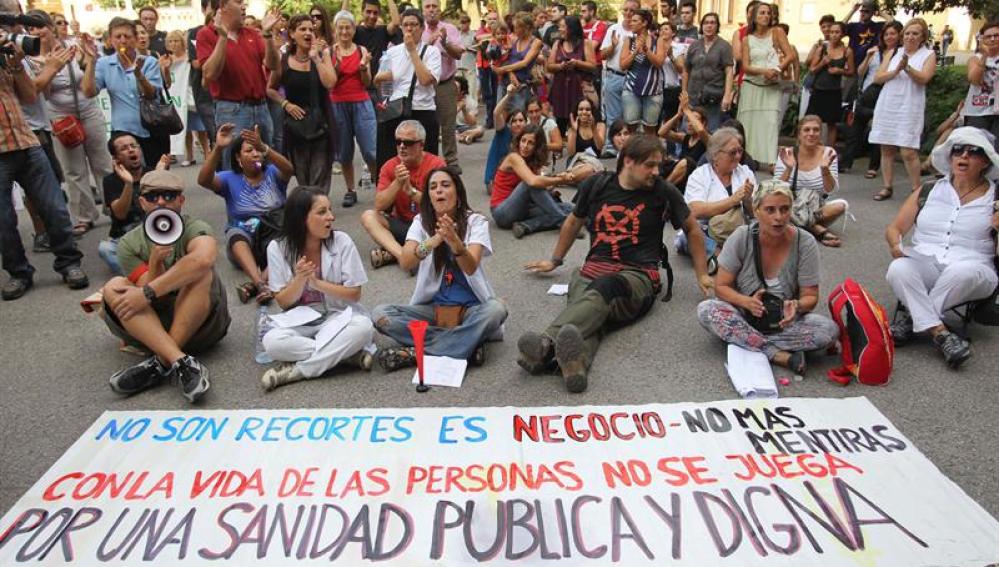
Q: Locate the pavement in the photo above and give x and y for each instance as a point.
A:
(56, 360)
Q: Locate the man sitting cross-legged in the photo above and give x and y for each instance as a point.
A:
(171, 301)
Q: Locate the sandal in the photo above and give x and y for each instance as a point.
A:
(871, 174)
(264, 294)
(246, 291)
(381, 257)
(795, 362)
(830, 240)
(883, 194)
(81, 228)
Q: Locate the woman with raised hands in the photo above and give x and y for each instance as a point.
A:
(643, 56)
(585, 138)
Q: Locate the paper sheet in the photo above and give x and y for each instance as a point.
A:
(441, 371)
(750, 373)
(559, 289)
(295, 317)
(332, 327)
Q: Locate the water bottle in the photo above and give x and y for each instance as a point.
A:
(264, 324)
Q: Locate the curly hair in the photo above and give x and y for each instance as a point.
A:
(539, 157)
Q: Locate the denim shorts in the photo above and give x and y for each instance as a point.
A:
(355, 120)
(644, 109)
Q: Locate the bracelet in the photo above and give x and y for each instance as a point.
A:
(284, 104)
(557, 261)
(423, 250)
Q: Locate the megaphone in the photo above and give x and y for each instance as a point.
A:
(163, 226)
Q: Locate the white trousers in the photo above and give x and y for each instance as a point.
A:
(297, 344)
(929, 289)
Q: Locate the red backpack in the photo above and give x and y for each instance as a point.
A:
(866, 345)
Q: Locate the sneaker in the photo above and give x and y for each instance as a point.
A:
(283, 373)
(901, 327)
(134, 379)
(520, 230)
(955, 350)
(394, 358)
(361, 359)
(41, 243)
(536, 352)
(75, 278)
(570, 352)
(349, 199)
(712, 265)
(192, 377)
(337, 169)
(478, 355)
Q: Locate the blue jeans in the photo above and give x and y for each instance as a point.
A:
(487, 86)
(535, 208)
(641, 109)
(481, 322)
(31, 170)
(245, 116)
(611, 96)
(356, 120)
(108, 251)
(683, 249)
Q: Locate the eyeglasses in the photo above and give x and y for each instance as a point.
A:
(407, 143)
(733, 153)
(991, 36)
(961, 149)
(154, 196)
(127, 147)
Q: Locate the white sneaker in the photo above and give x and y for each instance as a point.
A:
(337, 169)
(283, 373)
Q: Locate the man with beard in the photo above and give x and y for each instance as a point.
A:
(625, 214)
(374, 37)
(121, 195)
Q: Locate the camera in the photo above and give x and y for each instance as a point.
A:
(29, 44)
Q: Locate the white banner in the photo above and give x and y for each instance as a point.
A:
(179, 75)
(788, 482)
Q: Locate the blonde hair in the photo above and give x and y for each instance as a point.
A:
(771, 187)
(922, 26)
(178, 35)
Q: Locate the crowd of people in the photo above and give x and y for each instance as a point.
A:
(651, 120)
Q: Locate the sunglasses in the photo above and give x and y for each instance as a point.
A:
(961, 149)
(154, 196)
(407, 143)
(316, 16)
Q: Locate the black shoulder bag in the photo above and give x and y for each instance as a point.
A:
(773, 306)
(389, 110)
(158, 115)
(312, 126)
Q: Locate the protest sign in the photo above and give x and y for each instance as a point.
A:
(748, 483)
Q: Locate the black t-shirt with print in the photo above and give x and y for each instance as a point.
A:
(626, 226)
(113, 188)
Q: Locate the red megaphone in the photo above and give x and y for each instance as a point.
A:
(419, 330)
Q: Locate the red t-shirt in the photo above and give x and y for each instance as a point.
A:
(595, 32)
(242, 76)
(349, 87)
(404, 208)
(504, 182)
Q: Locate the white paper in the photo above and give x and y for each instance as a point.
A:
(559, 289)
(441, 371)
(295, 317)
(750, 373)
(332, 327)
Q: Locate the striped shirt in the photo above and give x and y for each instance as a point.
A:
(644, 78)
(15, 134)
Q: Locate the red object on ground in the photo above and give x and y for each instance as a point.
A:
(418, 329)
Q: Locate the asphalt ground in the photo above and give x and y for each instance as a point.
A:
(56, 360)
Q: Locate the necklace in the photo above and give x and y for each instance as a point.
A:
(301, 59)
(961, 196)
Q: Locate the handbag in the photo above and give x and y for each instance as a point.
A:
(389, 110)
(711, 96)
(69, 129)
(270, 228)
(449, 316)
(312, 126)
(159, 115)
(773, 305)
(720, 227)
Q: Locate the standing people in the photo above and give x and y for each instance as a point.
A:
(232, 59)
(759, 99)
(412, 69)
(571, 62)
(686, 32)
(466, 66)
(375, 37)
(708, 72)
(898, 116)
(194, 127)
(946, 38)
(149, 17)
(614, 75)
(829, 64)
(444, 37)
(204, 104)
(126, 76)
(643, 58)
(553, 30)
(863, 35)
(619, 280)
(353, 113)
(487, 78)
(518, 68)
(981, 106)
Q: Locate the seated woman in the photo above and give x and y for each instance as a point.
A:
(448, 242)
(509, 122)
(467, 122)
(522, 199)
(693, 142)
(789, 261)
(255, 187)
(537, 115)
(812, 169)
(586, 137)
(619, 134)
(720, 187)
(951, 259)
(316, 266)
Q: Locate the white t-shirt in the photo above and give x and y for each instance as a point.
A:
(810, 180)
(614, 61)
(704, 186)
(982, 100)
(396, 60)
(341, 265)
(471, 106)
(427, 282)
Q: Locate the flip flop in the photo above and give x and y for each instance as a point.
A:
(246, 291)
(830, 240)
(871, 174)
(884, 194)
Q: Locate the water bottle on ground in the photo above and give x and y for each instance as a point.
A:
(263, 325)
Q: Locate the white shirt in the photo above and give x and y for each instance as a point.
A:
(984, 100)
(341, 265)
(951, 232)
(397, 61)
(427, 283)
(614, 61)
(471, 106)
(704, 186)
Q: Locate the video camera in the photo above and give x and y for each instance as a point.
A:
(29, 44)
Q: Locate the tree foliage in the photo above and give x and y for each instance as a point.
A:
(986, 9)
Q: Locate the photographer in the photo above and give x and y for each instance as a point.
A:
(23, 160)
(767, 286)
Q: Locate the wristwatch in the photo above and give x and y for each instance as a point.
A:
(149, 293)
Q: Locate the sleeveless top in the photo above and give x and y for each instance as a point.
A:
(762, 55)
(516, 56)
(825, 81)
(583, 144)
(296, 86)
(567, 86)
(503, 184)
(644, 78)
(349, 87)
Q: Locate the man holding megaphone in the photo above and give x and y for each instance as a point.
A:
(171, 301)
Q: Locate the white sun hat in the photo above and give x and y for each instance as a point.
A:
(971, 136)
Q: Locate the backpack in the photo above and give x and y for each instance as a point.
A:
(867, 348)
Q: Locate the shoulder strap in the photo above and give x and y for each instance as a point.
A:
(73, 87)
(313, 84)
(754, 231)
(794, 179)
(412, 83)
(924, 194)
